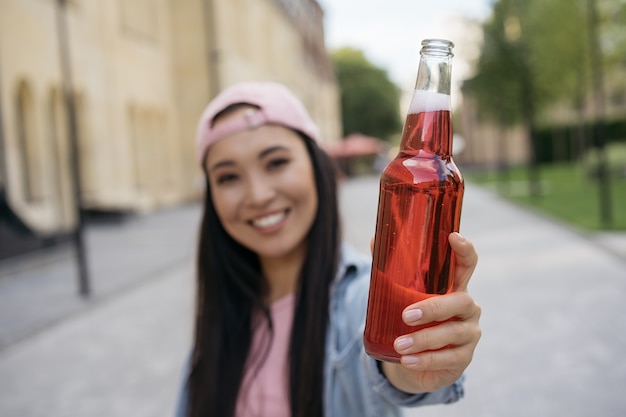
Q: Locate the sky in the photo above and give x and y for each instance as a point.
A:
(390, 32)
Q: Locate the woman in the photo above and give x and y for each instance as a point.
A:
(281, 303)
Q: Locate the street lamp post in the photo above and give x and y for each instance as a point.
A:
(606, 215)
(78, 235)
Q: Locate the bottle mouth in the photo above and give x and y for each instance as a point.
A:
(437, 47)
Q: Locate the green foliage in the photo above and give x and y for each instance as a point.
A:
(541, 53)
(536, 45)
(497, 83)
(558, 41)
(612, 16)
(615, 159)
(369, 100)
(570, 194)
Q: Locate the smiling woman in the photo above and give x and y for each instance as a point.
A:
(280, 302)
(262, 183)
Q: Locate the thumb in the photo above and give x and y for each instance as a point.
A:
(466, 260)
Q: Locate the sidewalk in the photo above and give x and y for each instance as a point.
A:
(116, 353)
(120, 255)
(552, 299)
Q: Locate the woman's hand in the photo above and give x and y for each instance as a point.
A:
(425, 365)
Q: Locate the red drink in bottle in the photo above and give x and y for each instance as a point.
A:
(421, 193)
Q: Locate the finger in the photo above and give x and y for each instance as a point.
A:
(458, 305)
(372, 245)
(448, 334)
(466, 260)
(438, 360)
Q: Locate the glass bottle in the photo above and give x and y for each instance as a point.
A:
(421, 193)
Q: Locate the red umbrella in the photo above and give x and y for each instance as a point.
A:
(356, 144)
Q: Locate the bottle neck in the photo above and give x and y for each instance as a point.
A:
(434, 73)
(428, 125)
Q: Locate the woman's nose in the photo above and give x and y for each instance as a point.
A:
(260, 191)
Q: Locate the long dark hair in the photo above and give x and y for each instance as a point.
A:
(231, 287)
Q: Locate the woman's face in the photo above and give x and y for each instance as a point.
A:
(263, 188)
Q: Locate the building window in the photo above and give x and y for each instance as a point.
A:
(27, 144)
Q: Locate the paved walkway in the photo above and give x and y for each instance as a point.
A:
(553, 316)
(121, 254)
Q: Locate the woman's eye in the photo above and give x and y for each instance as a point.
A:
(226, 178)
(277, 163)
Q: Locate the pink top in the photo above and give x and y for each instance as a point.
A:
(265, 388)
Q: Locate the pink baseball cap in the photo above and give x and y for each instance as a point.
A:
(277, 105)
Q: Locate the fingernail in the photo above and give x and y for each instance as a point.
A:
(460, 236)
(409, 360)
(403, 343)
(412, 315)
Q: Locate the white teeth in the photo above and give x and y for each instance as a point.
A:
(269, 221)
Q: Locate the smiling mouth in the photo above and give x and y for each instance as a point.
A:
(269, 221)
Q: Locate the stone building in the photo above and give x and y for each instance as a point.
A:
(141, 72)
(487, 144)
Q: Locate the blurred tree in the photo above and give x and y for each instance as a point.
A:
(538, 53)
(537, 44)
(369, 100)
(532, 56)
(612, 18)
(496, 85)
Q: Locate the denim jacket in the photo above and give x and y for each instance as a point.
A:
(353, 383)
